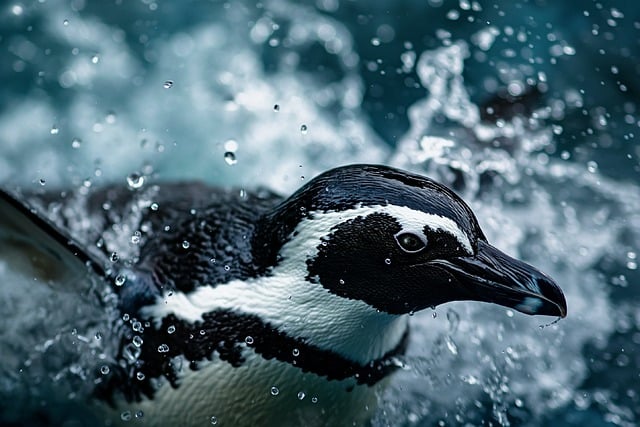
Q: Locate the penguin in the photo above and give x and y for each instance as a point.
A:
(237, 307)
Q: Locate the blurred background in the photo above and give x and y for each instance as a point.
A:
(527, 108)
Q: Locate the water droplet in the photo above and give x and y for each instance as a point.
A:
(186, 244)
(137, 341)
(163, 348)
(248, 339)
(168, 84)
(135, 237)
(140, 376)
(42, 181)
(111, 117)
(451, 346)
(387, 261)
(95, 59)
(214, 420)
(104, 370)
(295, 352)
(135, 180)
(230, 158)
(276, 108)
(171, 329)
(65, 22)
(76, 143)
(114, 257)
(301, 395)
(304, 129)
(274, 391)
(54, 130)
(120, 279)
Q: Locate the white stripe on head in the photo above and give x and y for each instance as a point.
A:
(409, 219)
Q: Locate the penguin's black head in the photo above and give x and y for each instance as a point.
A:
(399, 242)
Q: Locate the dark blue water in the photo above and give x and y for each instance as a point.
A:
(529, 109)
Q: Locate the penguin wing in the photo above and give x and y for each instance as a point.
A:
(25, 230)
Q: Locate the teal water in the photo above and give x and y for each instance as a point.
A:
(528, 109)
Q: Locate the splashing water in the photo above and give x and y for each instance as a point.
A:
(471, 363)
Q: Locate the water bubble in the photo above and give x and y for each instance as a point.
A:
(214, 420)
(314, 400)
(140, 376)
(276, 108)
(104, 369)
(95, 59)
(137, 326)
(137, 341)
(230, 158)
(248, 339)
(139, 414)
(42, 181)
(54, 130)
(301, 395)
(120, 279)
(185, 244)
(341, 281)
(125, 416)
(171, 329)
(227, 268)
(114, 257)
(135, 180)
(163, 348)
(303, 129)
(275, 391)
(17, 9)
(65, 22)
(295, 352)
(76, 143)
(125, 317)
(168, 84)
(387, 261)
(135, 237)
(154, 206)
(98, 336)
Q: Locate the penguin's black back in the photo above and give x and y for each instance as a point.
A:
(190, 234)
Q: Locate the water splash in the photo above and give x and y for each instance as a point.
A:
(482, 363)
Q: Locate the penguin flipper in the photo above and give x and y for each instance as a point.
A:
(26, 231)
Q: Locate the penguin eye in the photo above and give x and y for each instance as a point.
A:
(410, 243)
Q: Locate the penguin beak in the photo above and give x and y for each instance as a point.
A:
(492, 276)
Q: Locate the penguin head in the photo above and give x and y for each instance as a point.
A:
(399, 242)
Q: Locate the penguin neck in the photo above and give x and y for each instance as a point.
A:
(300, 309)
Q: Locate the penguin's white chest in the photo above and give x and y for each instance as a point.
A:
(260, 392)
